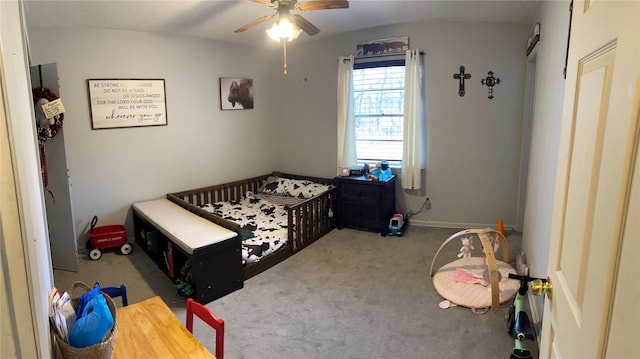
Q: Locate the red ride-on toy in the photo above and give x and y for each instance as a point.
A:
(101, 238)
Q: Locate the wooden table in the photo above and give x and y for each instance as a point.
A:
(149, 329)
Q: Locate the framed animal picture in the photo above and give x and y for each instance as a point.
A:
(382, 47)
(236, 93)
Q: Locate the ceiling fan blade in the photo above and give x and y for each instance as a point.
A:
(322, 5)
(265, 3)
(254, 23)
(305, 25)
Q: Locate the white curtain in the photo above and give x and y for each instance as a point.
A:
(413, 143)
(346, 122)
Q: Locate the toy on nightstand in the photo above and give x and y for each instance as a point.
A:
(381, 172)
(397, 224)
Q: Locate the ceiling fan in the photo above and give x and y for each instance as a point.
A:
(283, 9)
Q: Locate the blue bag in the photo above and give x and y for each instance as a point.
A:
(85, 298)
(94, 324)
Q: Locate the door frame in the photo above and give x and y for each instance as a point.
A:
(30, 278)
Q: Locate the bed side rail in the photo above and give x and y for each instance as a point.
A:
(312, 218)
(231, 191)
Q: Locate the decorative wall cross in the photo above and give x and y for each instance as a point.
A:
(461, 76)
(490, 81)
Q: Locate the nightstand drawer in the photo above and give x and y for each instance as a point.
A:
(361, 216)
(357, 192)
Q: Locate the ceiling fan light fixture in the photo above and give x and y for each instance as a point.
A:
(288, 26)
(283, 29)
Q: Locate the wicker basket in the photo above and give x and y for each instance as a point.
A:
(102, 350)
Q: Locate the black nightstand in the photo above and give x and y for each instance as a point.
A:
(366, 204)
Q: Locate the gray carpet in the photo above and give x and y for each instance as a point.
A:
(352, 294)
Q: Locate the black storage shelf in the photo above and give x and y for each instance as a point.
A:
(216, 269)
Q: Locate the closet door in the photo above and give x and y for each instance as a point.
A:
(62, 234)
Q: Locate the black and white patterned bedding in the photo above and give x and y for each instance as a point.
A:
(262, 217)
(267, 223)
(292, 188)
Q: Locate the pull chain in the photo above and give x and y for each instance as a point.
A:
(285, 56)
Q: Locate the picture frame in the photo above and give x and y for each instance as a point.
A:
(532, 41)
(381, 47)
(120, 103)
(236, 93)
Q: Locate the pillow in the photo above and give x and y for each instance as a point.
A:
(306, 188)
(269, 182)
(293, 187)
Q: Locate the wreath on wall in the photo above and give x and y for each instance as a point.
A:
(47, 128)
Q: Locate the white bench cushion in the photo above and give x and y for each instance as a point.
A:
(185, 229)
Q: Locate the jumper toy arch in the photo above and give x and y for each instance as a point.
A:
(494, 272)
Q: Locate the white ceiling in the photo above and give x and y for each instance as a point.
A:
(216, 19)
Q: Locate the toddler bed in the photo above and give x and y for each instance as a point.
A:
(276, 214)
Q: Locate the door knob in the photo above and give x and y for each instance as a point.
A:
(540, 287)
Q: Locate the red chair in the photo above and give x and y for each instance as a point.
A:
(205, 314)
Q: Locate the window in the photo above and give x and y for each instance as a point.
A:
(378, 105)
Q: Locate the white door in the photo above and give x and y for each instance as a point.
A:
(594, 250)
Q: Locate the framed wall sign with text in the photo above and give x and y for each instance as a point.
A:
(117, 103)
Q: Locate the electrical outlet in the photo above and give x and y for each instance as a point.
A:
(427, 203)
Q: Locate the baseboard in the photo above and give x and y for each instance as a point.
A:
(426, 223)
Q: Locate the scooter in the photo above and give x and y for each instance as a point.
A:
(518, 323)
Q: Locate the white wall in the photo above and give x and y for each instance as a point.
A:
(473, 143)
(202, 145)
(545, 136)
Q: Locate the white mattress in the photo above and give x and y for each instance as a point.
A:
(185, 229)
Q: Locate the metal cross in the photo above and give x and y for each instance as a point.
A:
(490, 81)
(461, 76)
